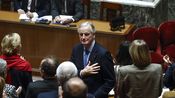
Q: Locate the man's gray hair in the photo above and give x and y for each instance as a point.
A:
(88, 24)
(3, 67)
(65, 71)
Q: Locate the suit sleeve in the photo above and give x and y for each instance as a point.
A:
(45, 10)
(16, 4)
(54, 8)
(108, 74)
(78, 10)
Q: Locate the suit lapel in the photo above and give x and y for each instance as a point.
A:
(80, 55)
(93, 56)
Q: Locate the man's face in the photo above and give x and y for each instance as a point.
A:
(86, 36)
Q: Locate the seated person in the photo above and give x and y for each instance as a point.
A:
(122, 58)
(33, 8)
(65, 71)
(19, 70)
(142, 79)
(66, 7)
(75, 88)
(49, 83)
(169, 77)
(9, 91)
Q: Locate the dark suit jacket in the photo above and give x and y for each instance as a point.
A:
(41, 86)
(42, 7)
(169, 77)
(74, 8)
(99, 84)
(50, 94)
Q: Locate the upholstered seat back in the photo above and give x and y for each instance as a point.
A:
(149, 34)
(167, 38)
(167, 33)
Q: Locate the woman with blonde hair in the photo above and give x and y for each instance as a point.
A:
(19, 71)
(142, 79)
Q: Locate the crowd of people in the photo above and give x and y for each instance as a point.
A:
(91, 71)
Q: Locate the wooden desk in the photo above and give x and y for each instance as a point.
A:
(39, 40)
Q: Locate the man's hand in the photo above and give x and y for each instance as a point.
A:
(67, 21)
(57, 19)
(29, 14)
(166, 59)
(18, 91)
(20, 11)
(90, 69)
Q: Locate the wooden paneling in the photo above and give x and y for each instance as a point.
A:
(39, 41)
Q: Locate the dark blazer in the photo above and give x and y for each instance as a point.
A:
(42, 7)
(21, 78)
(41, 86)
(169, 77)
(99, 84)
(21, 4)
(49, 94)
(74, 8)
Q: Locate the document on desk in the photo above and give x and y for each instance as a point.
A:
(64, 17)
(47, 17)
(24, 17)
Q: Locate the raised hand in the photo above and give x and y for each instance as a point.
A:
(90, 69)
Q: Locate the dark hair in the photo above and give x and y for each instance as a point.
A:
(49, 65)
(123, 57)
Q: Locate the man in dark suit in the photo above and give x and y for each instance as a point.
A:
(49, 84)
(66, 7)
(33, 8)
(94, 62)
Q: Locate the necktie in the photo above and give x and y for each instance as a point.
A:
(29, 5)
(85, 57)
(65, 5)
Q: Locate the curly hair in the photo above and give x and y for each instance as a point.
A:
(11, 44)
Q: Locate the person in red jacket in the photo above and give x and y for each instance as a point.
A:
(19, 71)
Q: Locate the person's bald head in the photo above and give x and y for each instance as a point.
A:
(75, 88)
(48, 66)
